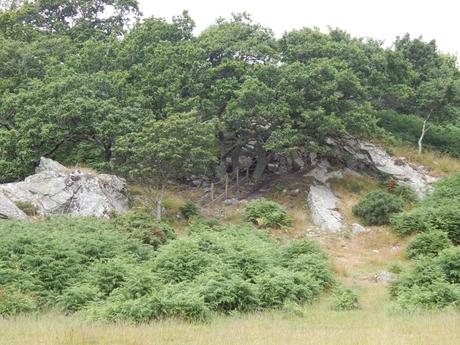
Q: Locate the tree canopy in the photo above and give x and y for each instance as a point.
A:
(93, 82)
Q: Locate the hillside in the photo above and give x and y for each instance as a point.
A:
(357, 261)
(228, 187)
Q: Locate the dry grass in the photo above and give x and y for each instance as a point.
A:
(83, 170)
(317, 324)
(437, 163)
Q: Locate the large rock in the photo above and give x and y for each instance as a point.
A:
(322, 172)
(9, 210)
(323, 208)
(367, 157)
(412, 175)
(55, 189)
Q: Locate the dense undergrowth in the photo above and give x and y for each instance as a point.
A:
(433, 281)
(95, 268)
(440, 210)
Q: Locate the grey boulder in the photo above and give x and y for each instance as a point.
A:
(9, 210)
(323, 208)
(55, 189)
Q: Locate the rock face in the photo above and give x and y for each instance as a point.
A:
(322, 174)
(322, 203)
(414, 176)
(370, 158)
(355, 157)
(9, 210)
(55, 189)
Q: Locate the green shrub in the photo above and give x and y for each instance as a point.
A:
(27, 207)
(94, 267)
(440, 210)
(431, 283)
(437, 295)
(345, 299)
(406, 192)
(13, 302)
(53, 263)
(182, 260)
(449, 262)
(444, 218)
(75, 298)
(407, 223)
(377, 207)
(146, 228)
(280, 285)
(190, 210)
(428, 243)
(266, 213)
(226, 292)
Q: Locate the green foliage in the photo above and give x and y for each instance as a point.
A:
(266, 213)
(27, 207)
(405, 192)
(95, 267)
(440, 210)
(152, 101)
(189, 210)
(76, 297)
(409, 222)
(14, 302)
(432, 282)
(377, 207)
(345, 299)
(444, 138)
(429, 243)
(175, 147)
(52, 262)
(143, 226)
(396, 268)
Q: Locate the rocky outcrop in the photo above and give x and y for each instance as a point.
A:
(366, 157)
(354, 157)
(323, 208)
(322, 172)
(55, 189)
(9, 210)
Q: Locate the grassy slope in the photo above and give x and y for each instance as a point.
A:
(355, 259)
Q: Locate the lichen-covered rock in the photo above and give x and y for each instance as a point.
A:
(323, 203)
(9, 210)
(322, 172)
(55, 189)
(414, 176)
(364, 156)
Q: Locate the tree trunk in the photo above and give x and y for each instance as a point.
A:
(422, 135)
(107, 154)
(236, 159)
(158, 204)
(221, 137)
(261, 163)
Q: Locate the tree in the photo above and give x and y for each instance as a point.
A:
(252, 116)
(80, 19)
(437, 99)
(173, 148)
